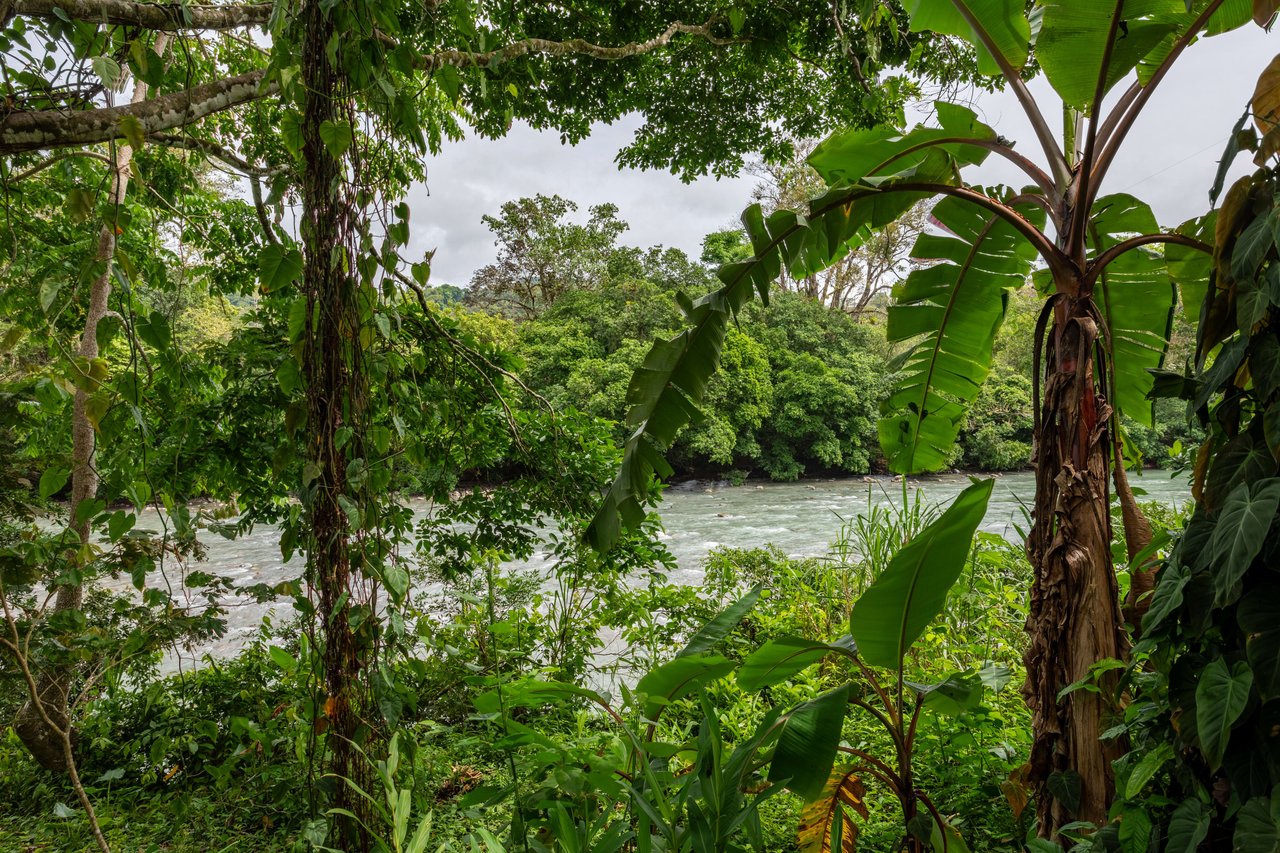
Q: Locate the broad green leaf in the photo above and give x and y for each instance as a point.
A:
(1189, 267)
(119, 523)
(532, 692)
(957, 693)
(951, 311)
(336, 136)
(1188, 826)
(52, 481)
(1074, 41)
(1259, 618)
(678, 678)
(1240, 529)
(289, 377)
(281, 658)
(1255, 294)
(1167, 597)
(850, 156)
(132, 131)
(1138, 300)
(1258, 825)
(1251, 247)
(1135, 830)
(807, 742)
(49, 289)
(1066, 787)
(912, 590)
(947, 839)
(724, 622)
(107, 69)
(1221, 695)
(780, 659)
(291, 131)
(998, 30)
(279, 266)
(1147, 767)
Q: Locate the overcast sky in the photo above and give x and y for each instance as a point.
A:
(1169, 161)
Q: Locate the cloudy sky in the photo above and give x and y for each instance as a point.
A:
(1169, 161)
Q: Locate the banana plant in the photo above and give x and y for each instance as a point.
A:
(1110, 278)
(694, 792)
(887, 619)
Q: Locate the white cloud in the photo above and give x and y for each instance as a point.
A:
(1169, 160)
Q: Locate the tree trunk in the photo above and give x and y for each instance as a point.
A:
(54, 685)
(335, 401)
(1074, 618)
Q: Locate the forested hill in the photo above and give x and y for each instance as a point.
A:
(802, 380)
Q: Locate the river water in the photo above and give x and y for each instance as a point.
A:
(799, 518)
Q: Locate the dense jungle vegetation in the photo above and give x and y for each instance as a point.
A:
(213, 321)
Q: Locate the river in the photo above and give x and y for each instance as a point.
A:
(799, 518)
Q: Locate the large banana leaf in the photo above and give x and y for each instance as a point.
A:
(911, 592)
(1137, 298)
(668, 387)
(850, 156)
(952, 309)
(1074, 41)
(998, 30)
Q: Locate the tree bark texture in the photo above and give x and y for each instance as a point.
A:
(1074, 618)
(54, 685)
(167, 17)
(335, 398)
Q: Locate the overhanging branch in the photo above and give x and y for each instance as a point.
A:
(44, 129)
(149, 16)
(571, 47)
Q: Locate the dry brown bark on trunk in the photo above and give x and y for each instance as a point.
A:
(1074, 618)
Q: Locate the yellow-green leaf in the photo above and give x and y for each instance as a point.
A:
(826, 825)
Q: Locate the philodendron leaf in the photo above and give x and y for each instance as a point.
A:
(1258, 825)
(1188, 826)
(1240, 529)
(279, 266)
(1221, 696)
(1065, 786)
(1168, 596)
(1146, 768)
(807, 743)
(1259, 618)
(911, 592)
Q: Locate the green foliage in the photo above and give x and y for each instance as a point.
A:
(1209, 702)
(909, 594)
(998, 435)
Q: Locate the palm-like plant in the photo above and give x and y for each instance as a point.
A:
(1111, 280)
